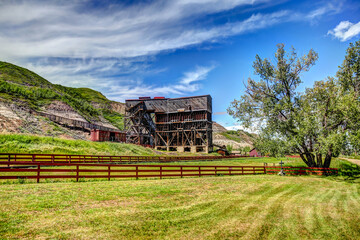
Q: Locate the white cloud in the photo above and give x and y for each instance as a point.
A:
(345, 30)
(118, 88)
(239, 127)
(70, 44)
(35, 29)
(220, 113)
(328, 8)
(184, 85)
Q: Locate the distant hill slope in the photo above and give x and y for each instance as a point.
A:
(238, 139)
(23, 92)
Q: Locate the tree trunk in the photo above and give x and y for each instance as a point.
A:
(327, 160)
(309, 159)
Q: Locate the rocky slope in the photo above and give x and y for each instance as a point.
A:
(24, 93)
(237, 139)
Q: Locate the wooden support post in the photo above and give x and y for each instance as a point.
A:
(215, 171)
(137, 173)
(181, 171)
(38, 174)
(160, 172)
(199, 171)
(229, 171)
(77, 173)
(109, 173)
(33, 158)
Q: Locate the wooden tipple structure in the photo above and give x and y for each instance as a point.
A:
(172, 124)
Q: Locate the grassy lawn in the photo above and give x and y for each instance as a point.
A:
(248, 207)
(19, 143)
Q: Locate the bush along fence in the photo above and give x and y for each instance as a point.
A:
(65, 158)
(38, 170)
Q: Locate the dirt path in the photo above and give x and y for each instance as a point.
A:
(354, 161)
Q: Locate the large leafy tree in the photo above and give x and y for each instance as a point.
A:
(349, 81)
(312, 123)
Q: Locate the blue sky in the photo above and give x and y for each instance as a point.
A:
(127, 49)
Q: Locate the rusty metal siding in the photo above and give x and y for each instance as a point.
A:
(179, 122)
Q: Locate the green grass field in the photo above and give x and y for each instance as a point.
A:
(247, 207)
(19, 143)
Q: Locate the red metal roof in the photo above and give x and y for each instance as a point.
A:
(168, 98)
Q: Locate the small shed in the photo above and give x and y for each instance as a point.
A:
(97, 135)
(254, 153)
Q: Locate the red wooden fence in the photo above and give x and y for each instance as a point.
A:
(302, 170)
(42, 166)
(65, 158)
(85, 170)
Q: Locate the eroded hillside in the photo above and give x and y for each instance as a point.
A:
(24, 94)
(237, 139)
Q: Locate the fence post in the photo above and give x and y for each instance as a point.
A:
(38, 174)
(160, 172)
(109, 173)
(242, 170)
(77, 173)
(9, 160)
(229, 171)
(181, 171)
(33, 158)
(253, 170)
(199, 171)
(215, 171)
(137, 173)
(52, 158)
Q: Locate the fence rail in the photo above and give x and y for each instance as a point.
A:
(82, 170)
(66, 158)
(302, 170)
(43, 166)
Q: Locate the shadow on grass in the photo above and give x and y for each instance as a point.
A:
(348, 172)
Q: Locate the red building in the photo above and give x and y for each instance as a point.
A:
(254, 153)
(97, 135)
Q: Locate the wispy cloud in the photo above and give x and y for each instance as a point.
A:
(328, 8)
(220, 113)
(109, 48)
(345, 30)
(35, 29)
(187, 84)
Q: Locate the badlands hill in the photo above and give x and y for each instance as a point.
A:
(237, 139)
(24, 94)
